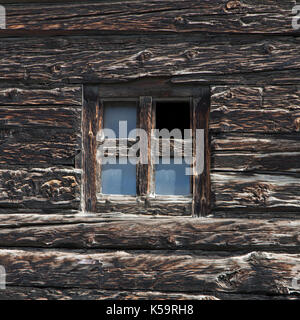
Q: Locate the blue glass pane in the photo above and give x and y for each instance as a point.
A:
(114, 112)
(118, 178)
(171, 179)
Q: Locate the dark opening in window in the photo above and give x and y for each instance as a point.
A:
(170, 177)
(172, 115)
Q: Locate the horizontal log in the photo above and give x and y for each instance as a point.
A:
(245, 16)
(274, 77)
(33, 117)
(40, 95)
(38, 147)
(39, 189)
(246, 97)
(31, 293)
(117, 231)
(175, 271)
(34, 293)
(128, 57)
(255, 142)
(238, 161)
(265, 121)
(255, 191)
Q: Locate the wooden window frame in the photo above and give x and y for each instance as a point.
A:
(146, 93)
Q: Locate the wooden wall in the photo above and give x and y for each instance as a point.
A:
(247, 52)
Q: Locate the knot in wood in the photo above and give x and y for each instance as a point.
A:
(234, 4)
(56, 68)
(229, 95)
(268, 48)
(232, 279)
(144, 56)
(89, 68)
(13, 95)
(180, 20)
(191, 54)
(297, 124)
(259, 193)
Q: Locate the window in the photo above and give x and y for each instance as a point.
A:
(141, 146)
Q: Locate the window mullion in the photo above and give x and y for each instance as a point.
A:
(145, 170)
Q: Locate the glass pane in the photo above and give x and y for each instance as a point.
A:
(171, 179)
(119, 111)
(118, 178)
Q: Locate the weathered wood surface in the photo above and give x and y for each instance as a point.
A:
(92, 110)
(40, 147)
(35, 293)
(274, 77)
(124, 57)
(256, 152)
(40, 95)
(257, 97)
(31, 293)
(135, 232)
(255, 191)
(145, 172)
(44, 190)
(37, 117)
(268, 121)
(255, 109)
(34, 134)
(243, 16)
(275, 162)
(146, 206)
(255, 142)
(282, 97)
(255, 125)
(175, 271)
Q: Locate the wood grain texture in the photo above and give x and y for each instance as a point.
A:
(121, 231)
(91, 124)
(243, 161)
(261, 143)
(179, 271)
(144, 170)
(257, 97)
(44, 190)
(255, 109)
(40, 147)
(201, 182)
(40, 117)
(21, 95)
(31, 293)
(146, 206)
(247, 51)
(34, 293)
(244, 16)
(264, 77)
(127, 57)
(282, 97)
(255, 191)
